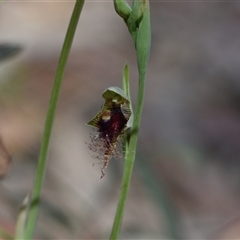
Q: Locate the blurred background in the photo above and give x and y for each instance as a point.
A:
(186, 179)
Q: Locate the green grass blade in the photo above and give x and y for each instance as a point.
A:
(35, 197)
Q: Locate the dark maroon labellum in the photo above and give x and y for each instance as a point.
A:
(111, 122)
(112, 128)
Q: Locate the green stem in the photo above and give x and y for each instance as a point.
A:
(129, 162)
(141, 34)
(35, 197)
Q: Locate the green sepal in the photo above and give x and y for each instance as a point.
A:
(117, 96)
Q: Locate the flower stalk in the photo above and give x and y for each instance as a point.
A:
(138, 23)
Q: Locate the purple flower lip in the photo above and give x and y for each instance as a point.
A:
(110, 122)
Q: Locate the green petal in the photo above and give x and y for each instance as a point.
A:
(117, 96)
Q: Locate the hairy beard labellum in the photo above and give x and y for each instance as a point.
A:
(110, 122)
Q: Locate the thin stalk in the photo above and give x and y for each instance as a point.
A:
(42, 161)
(126, 89)
(128, 166)
(139, 27)
(125, 82)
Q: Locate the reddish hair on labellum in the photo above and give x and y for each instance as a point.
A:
(110, 129)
